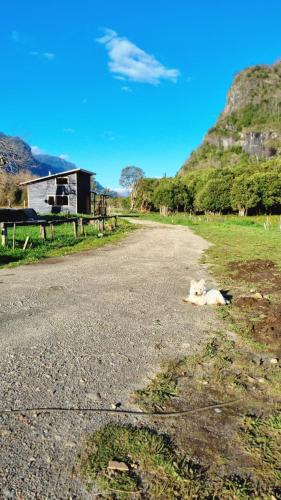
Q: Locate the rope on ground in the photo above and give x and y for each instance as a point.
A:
(119, 411)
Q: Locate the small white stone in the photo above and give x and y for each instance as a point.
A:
(218, 410)
(121, 466)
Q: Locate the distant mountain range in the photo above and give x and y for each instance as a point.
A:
(16, 156)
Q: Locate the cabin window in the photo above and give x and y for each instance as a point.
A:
(61, 181)
(61, 200)
(58, 200)
(51, 200)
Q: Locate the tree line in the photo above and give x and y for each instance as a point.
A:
(245, 188)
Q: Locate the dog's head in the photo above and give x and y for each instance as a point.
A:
(197, 287)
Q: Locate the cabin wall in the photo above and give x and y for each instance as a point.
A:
(39, 192)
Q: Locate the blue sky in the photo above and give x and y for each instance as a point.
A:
(111, 83)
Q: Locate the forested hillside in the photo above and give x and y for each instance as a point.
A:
(238, 165)
(249, 128)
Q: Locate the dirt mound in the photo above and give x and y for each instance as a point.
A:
(249, 302)
(263, 318)
(262, 272)
(269, 329)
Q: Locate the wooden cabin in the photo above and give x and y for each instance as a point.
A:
(65, 192)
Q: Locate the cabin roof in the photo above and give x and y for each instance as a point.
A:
(60, 174)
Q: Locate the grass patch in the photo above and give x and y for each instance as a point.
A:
(154, 467)
(63, 243)
(235, 238)
(261, 438)
(161, 388)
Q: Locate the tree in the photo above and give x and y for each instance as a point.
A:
(128, 179)
(245, 193)
(11, 191)
(269, 187)
(164, 194)
(144, 191)
(182, 194)
(215, 195)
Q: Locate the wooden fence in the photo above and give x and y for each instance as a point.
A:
(77, 223)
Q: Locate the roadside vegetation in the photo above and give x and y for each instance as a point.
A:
(231, 451)
(63, 242)
(248, 187)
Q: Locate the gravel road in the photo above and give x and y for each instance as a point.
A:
(87, 330)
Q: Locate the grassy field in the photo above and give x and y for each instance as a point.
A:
(63, 243)
(235, 238)
(233, 452)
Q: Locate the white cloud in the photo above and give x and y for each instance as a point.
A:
(129, 62)
(120, 191)
(35, 150)
(15, 36)
(127, 89)
(64, 157)
(44, 55)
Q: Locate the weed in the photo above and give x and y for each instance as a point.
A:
(262, 438)
(152, 462)
(212, 348)
(161, 388)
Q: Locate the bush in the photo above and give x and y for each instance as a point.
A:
(10, 190)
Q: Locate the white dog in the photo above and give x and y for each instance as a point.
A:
(200, 296)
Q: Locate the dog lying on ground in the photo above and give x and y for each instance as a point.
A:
(200, 296)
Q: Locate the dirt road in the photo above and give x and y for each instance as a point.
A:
(86, 331)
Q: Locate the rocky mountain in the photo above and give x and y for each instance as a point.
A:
(56, 163)
(16, 156)
(249, 128)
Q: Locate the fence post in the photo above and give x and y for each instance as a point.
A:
(116, 224)
(43, 231)
(52, 231)
(14, 236)
(82, 232)
(75, 229)
(4, 233)
(101, 224)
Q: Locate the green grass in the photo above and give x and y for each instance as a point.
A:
(161, 388)
(235, 238)
(63, 243)
(154, 467)
(261, 437)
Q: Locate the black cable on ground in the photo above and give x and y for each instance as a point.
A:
(119, 411)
